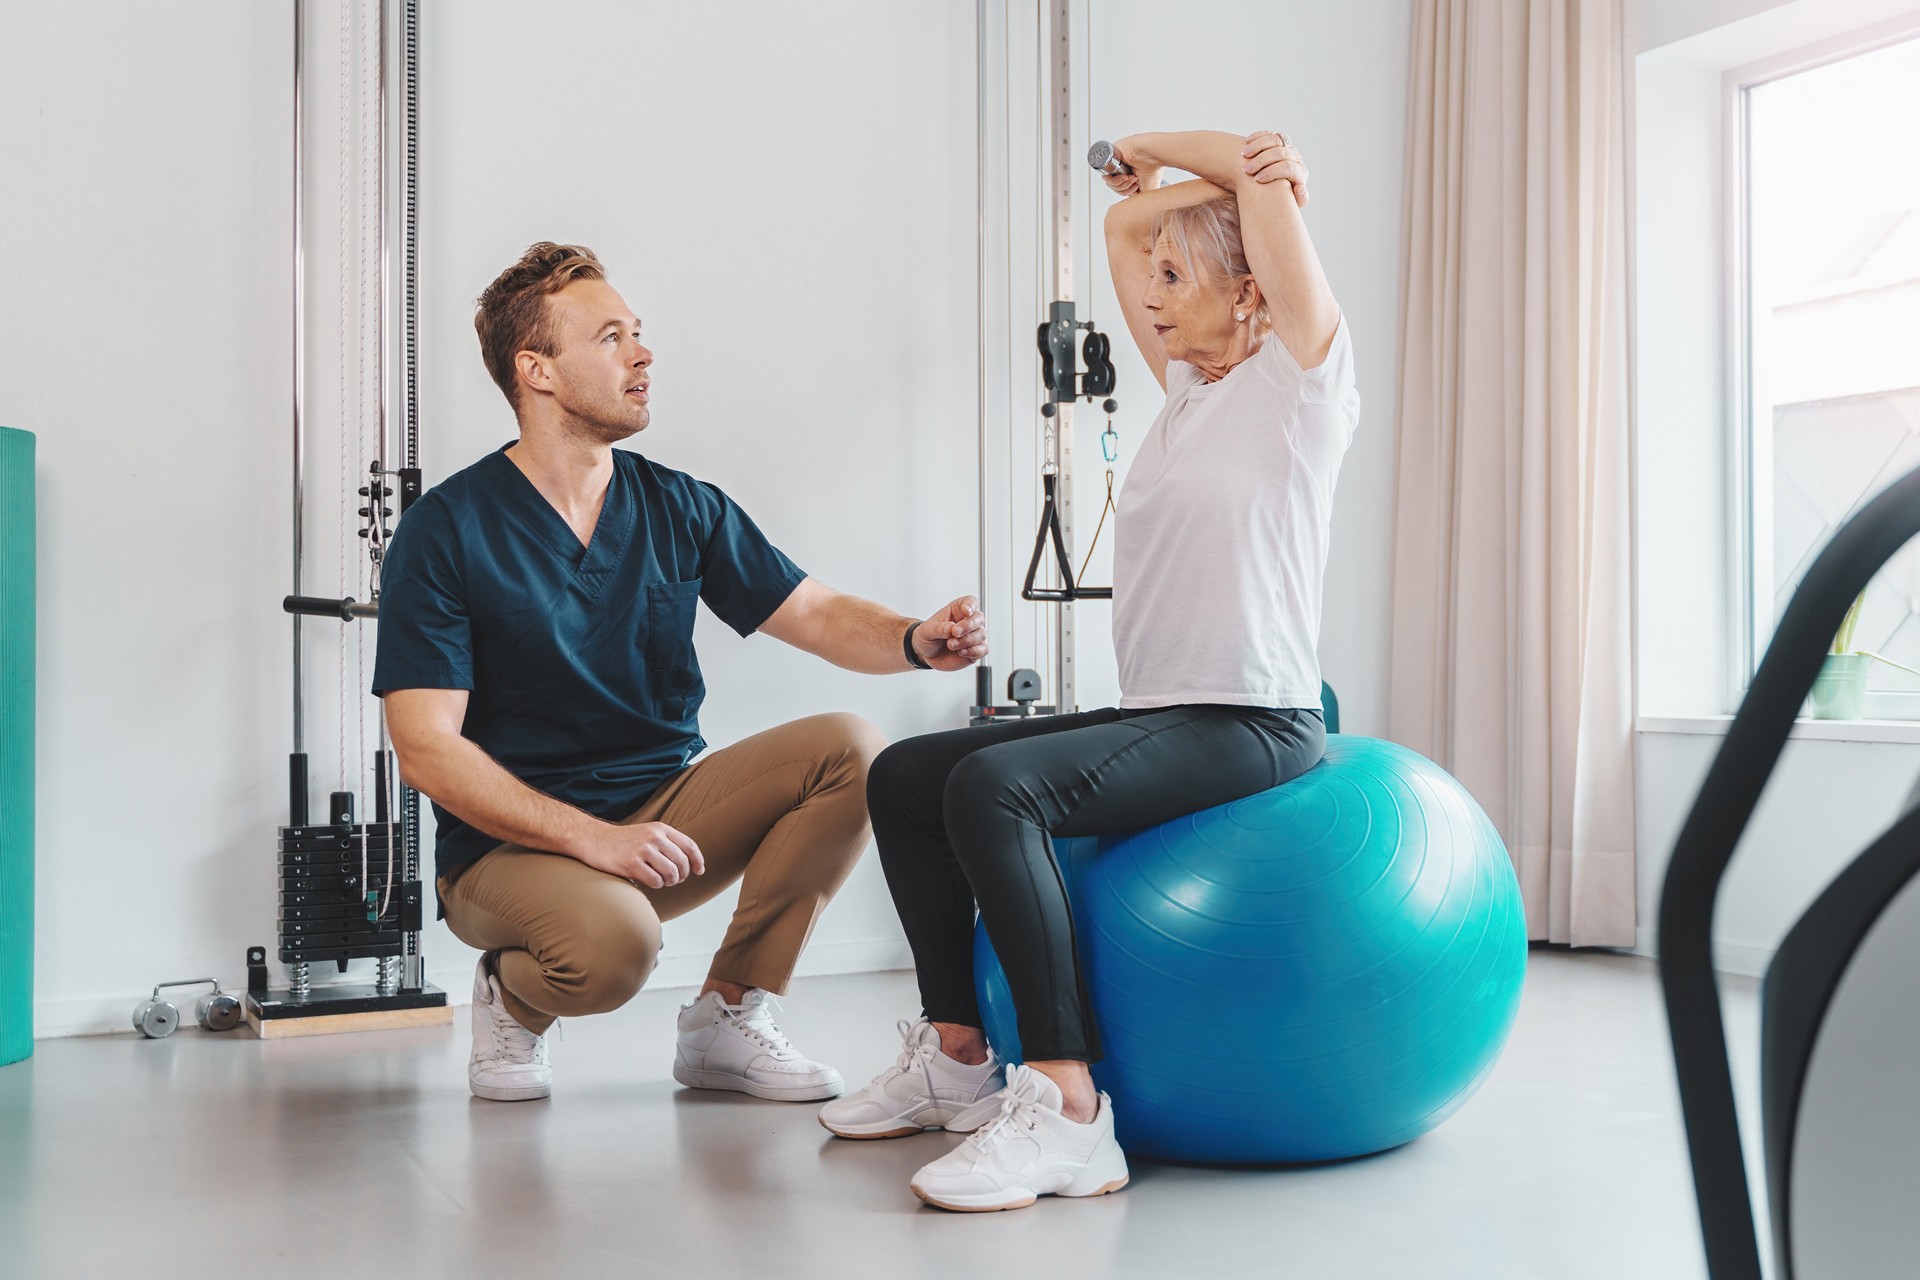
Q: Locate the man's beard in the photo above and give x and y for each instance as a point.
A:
(605, 428)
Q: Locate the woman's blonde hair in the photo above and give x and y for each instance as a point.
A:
(1207, 235)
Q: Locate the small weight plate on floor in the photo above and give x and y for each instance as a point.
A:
(155, 1019)
(218, 1012)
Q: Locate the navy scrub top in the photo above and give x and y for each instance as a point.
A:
(579, 659)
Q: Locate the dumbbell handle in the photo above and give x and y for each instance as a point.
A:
(1100, 155)
(187, 982)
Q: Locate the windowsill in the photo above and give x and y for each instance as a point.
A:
(1883, 731)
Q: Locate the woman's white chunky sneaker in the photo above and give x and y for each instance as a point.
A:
(1029, 1150)
(923, 1089)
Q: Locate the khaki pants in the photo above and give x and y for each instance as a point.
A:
(784, 812)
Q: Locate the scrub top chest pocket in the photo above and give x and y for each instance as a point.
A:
(673, 673)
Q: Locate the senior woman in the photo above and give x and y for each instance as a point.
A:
(1221, 544)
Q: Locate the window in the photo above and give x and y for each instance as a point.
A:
(1830, 227)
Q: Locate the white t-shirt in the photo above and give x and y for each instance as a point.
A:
(1220, 533)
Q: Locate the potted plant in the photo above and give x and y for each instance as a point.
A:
(1840, 690)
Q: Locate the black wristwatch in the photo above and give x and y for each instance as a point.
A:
(913, 656)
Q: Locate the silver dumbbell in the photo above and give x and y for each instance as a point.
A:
(1100, 156)
(215, 1011)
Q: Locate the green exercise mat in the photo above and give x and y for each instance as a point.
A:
(16, 744)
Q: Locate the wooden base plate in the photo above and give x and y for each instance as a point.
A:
(334, 1010)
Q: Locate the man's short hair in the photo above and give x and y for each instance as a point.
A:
(511, 316)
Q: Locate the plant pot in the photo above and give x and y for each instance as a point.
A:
(1840, 690)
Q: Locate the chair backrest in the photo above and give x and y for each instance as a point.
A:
(1840, 1031)
(1824, 969)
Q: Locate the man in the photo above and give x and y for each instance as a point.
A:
(536, 657)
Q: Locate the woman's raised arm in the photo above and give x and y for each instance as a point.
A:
(1130, 251)
(1279, 251)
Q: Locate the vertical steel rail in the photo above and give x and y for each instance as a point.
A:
(980, 248)
(299, 376)
(297, 811)
(1060, 170)
(375, 505)
(413, 962)
(382, 335)
(389, 979)
(410, 235)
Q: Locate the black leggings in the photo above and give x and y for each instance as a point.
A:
(963, 817)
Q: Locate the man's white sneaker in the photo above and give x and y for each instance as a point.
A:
(509, 1062)
(923, 1089)
(739, 1047)
(1029, 1150)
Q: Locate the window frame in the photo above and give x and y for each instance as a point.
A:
(1749, 453)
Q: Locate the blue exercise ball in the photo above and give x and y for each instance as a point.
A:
(1323, 970)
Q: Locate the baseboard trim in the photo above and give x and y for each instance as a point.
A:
(1741, 959)
(57, 1019)
(92, 1016)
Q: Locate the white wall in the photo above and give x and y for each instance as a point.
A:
(1655, 24)
(788, 202)
(143, 320)
(1826, 801)
(1829, 795)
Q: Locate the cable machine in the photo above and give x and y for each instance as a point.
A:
(350, 886)
(1050, 577)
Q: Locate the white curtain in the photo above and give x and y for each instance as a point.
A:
(1511, 596)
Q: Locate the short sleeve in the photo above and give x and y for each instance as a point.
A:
(743, 577)
(1331, 379)
(425, 635)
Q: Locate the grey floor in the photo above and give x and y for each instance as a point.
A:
(365, 1155)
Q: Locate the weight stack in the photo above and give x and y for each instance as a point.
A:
(324, 905)
(16, 743)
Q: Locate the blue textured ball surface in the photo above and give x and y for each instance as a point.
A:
(1323, 970)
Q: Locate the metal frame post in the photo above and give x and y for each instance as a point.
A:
(299, 373)
(1060, 170)
(980, 242)
(414, 962)
(380, 319)
(297, 974)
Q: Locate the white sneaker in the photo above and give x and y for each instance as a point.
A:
(923, 1089)
(509, 1062)
(1031, 1150)
(738, 1047)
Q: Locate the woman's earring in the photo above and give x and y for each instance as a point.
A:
(1239, 316)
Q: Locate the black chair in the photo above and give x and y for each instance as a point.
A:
(1837, 955)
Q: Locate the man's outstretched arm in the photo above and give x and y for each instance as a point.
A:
(863, 636)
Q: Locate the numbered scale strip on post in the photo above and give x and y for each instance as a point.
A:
(350, 889)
